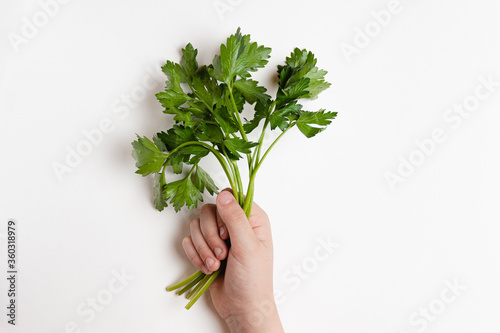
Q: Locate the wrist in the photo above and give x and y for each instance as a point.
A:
(261, 318)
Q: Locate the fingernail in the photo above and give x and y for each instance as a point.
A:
(221, 231)
(209, 262)
(218, 252)
(225, 197)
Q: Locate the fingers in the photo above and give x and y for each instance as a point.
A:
(222, 227)
(210, 231)
(235, 219)
(209, 261)
(259, 221)
(204, 247)
(189, 248)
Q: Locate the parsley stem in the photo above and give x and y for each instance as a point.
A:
(217, 155)
(240, 194)
(197, 287)
(237, 114)
(231, 165)
(240, 125)
(247, 205)
(261, 140)
(191, 284)
(205, 283)
(259, 163)
(185, 281)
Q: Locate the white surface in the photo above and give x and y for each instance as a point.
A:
(396, 248)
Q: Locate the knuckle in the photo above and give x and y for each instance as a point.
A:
(194, 259)
(202, 250)
(194, 224)
(186, 240)
(207, 208)
(212, 239)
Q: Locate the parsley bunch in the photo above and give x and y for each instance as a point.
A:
(206, 103)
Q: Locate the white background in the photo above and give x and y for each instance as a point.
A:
(397, 247)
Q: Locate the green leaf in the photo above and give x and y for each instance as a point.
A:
(261, 112)
(193, 153)
(206, 88)
(157, 141)
(188, 61)
(149, 158)
(280, 117)
(175, 76)
(235, 145)
(320, 119)
(171, 99)
(211, 133)
(203, 180)
(182, 193)
(317, 82)
(159, 185)
(224, 118)
(299, 66)
(176, 136)
(239, 57)
(251, 91)
(197, 109)
(295, 91)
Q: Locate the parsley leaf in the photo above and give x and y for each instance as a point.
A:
(301, 66)
(182, 192)
(188, 63)
(261, 112)
(148, 156)
(159, 185)
(239, 57)
(319, 118)
(203, 180)
(251, 91)
(235, 145)
(281, 117)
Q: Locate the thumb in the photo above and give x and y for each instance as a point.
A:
(240, 231)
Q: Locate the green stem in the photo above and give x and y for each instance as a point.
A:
(247, 205)
(217, 155)
(185, 281)
(260, 142)
(205, 284)
(237, 114)
(259, 163)
(258, 149)
(240, 195)
(235, 189)
(191, 284)
(240, 124)
(198, 286)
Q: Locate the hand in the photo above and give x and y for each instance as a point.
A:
(243, 295)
